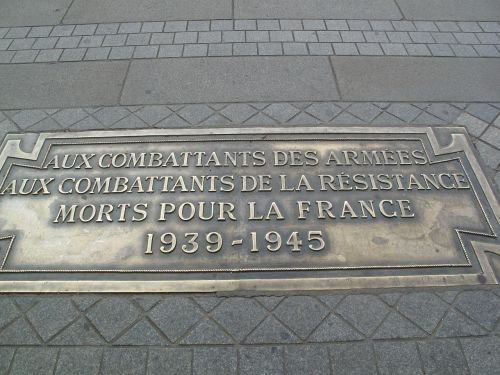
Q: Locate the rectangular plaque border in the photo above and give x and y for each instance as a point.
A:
(11, 147)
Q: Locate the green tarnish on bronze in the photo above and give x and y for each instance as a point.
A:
(252, 209)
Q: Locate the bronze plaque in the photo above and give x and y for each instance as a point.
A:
(244, 209)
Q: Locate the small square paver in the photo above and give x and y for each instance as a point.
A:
(399, 37)
(371, 49)
(100, 53)
(220, 25)
(314, 25)
(336, 25)
(145, 52)
(119, 53)
(305, 36)
(91, 41)
(74, 54)
(245, 49)
(39, 31)
(233, 36)
(268, 25)
(129, 28)
(394, 49)
(25, 56)
(45, 43)
(107, 28)
(68, 42)
(320, 49)
(114, 40)
(85, 29)
(195, 50)
(375, 36)
(152, 27)
(257, 36)
(64, 30)
(209, 37)
(173, 26)
(50, 55)
(352, 36)
(170, 51)
(245, 24)
(444, 37)
(358, 25)
(329, 36)
(295, 49)
(269, 49)
(138, 39)
(162, 38)
(345, 49)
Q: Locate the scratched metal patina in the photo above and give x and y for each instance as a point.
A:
(253, 209)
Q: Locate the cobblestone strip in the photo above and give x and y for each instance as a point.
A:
(431, 331)
(248, 38)
(482, 120)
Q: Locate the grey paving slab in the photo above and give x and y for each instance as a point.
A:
(229, 79)
(459, 10)
(417, 78)
(87, 11)
(32, 12)
(336, 9)
(48, 85)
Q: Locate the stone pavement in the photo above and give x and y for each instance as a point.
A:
(110, 64)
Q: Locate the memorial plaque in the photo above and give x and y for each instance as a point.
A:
(244, 209)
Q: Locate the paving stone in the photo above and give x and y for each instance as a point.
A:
(397, 358)
(25, 302)
(114, 40)
(214, 361)
(293, 310)
(107, 28)
(92, 41)
(365, 111)
(209, 37)
(157, 27)
(110, 115)
(396, 326)
(347, 49)
(482, 354)
(365, 312)
(52, 85)
(238, 113)
(174, 316)
(245, 24)
(284, 36)
(444, 111)
(25, 119)
(19, 44)
(82, 361)
(51, 315)
(424, 309)
(141, 333)
(483, 111)
(170, 51)
(321, 49)
(492, 136)
(169, 361)
(75, 54)
(315, 9)
(112, 315)
(261, 360)
(281, 111)
(195, 113)
(323, 111)
(245, 49)
(416, 79)
(331, 300)
(80, 332)
(6, 355)
(481, 306)
(442, 357)
(9, 311)
(474, 126)
(271, 331)
(18, 332)
(353, 359)
(124, 361)
(229, 80)
(38, 361)
(306, 359)
(463, 51)
(333, 329)
(417, 50)
(6, 56)
(428, 119)
(449, 295)
(45, 43)
(25, 56)
(147, 301)
(207, 332)
(269, 302)
(440, 50)
(39, 31)
(238, 316)
(489, 155)
(390, 298)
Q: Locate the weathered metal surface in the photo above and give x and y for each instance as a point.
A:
(244, 209)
